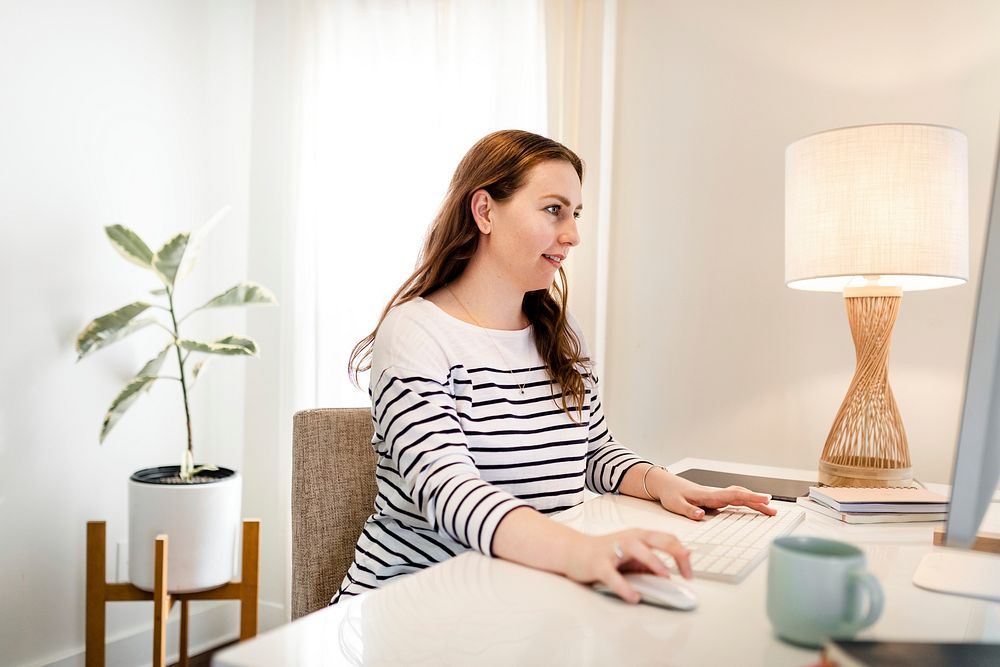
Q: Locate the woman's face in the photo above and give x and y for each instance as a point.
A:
(531, 232)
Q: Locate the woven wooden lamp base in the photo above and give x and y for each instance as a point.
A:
(867, 443)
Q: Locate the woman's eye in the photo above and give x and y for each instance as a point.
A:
(556, 208)
(577, 215)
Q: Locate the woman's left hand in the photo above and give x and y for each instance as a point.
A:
(686, 498)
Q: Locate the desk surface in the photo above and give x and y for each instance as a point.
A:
(476, 610)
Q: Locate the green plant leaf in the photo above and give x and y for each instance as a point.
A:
(189, 469)
(158, 292)
(196, 240)
(244, 294)
(123, 401)
(109, 328)
(129, 245)
(167, 259)
(197, 369)
(230, 345)
(152, 366)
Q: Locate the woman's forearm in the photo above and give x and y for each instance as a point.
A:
(684, 497)
(528, 537)
(658, 481)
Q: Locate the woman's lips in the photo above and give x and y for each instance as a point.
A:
(554, 260)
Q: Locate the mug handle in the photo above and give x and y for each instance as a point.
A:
(876, 599)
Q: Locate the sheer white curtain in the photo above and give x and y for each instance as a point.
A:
(393, 94)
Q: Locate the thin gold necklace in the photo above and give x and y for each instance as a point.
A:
(488, 335)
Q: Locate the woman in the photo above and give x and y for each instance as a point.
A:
(487, 416)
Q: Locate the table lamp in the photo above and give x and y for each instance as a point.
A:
(872, 211)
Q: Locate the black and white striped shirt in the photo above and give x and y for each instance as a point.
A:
(459, 445)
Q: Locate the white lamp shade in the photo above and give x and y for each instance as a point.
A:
(877, 200)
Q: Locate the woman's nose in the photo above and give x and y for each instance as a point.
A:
(570, 234)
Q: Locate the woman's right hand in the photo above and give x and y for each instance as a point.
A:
(603, 558)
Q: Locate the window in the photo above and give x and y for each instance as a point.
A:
(393, 95)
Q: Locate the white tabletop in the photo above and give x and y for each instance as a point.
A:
(475, 610)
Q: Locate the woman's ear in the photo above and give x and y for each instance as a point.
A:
(481, 207)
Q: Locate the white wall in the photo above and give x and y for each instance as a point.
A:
(709, 354)
(110, 111)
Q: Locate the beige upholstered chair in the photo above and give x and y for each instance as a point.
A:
(333, 491)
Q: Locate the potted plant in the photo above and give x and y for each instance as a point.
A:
(197, 506)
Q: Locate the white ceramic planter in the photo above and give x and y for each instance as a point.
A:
(202, 523)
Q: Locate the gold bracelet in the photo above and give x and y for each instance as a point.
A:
(651, 466)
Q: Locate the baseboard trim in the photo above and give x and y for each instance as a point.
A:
(211, 623)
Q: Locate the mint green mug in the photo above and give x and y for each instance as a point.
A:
(816, 590)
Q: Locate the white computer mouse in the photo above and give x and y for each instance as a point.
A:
(658, 591)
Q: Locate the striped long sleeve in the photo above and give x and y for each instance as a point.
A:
(424, 445)
(607, 460)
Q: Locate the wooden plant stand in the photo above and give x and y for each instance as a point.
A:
(100, 592)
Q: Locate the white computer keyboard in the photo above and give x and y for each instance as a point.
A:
(726, 546)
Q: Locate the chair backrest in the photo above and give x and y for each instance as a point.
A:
(333, 492)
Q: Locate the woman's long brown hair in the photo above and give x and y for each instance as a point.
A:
(497, 163)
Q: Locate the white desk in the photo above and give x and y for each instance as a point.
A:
(476, 610)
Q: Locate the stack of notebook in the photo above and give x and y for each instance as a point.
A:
(855, 505)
